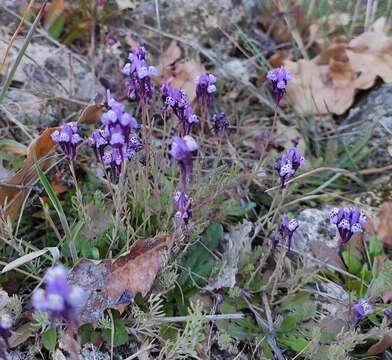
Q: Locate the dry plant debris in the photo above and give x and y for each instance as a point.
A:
(328, 83)
(113, 284)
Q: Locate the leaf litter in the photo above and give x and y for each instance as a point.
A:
(113, 284)
(329, 82)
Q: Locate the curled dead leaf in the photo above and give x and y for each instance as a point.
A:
(380, 346)
(91, 114)
(113, 284)
(384, 230)
(12, 193)
(170, 55)
(185, 75)
(22, 334)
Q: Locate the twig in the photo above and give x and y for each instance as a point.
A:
(136, 354)
(255, 92)
(9, 46)
(337, 170)
(22, 271)
(271, 338)
(368, 15)
(12, 119)
(18, 59)
(170, 319)
(47, 37)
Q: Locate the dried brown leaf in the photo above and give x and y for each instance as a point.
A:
(113, 284)
(170, 55)
(53, 11)
(11, 198)
(329, 82)
(91, 114)
(326, 253)
(381, 346)
(22, 334)
(384, 230)
(185, 75)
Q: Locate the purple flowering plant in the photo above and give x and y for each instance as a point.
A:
(362, 308)
(182, 150)
(59, 299)
(118, 140)
(139, 74)
(287, 164)
(68, 139)
(175, 101)
(286, 230)
(349, 221)
(205, 89)
(220, 123)
(278, 79)
(6, 324)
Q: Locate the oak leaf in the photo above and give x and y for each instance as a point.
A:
(114, 283)
(12, 193)
(329, 82)
(380, 347)
(384, 230)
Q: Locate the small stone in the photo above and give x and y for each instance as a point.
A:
(372, 116)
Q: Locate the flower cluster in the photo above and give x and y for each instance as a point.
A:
(220, 123)
(278, 82)
(139, 76)
(348, 222)
(362, 308)
(184, 206)
(68, 138)
(59, 299)
(205, 88)
(286, 231)
(5, 333)
(287, 165)
(175, 101)
(118, 141)
(182, 150)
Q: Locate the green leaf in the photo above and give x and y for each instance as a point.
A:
(295, 342)
(382, 283)
(289, 323)
(233, 208)
(300, 306)
(212, 236)
(49, 339)
(120, 332)
(53, 198)
(56, 27)
(88, 334)
(376, 248)
(352, 262)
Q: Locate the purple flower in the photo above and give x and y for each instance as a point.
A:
(349, 221)
(139, 76)
(287, 165)
(118, 141)
(278, 81)
(59, 299)
(175, 101)
(286, 229)
(184, 207)
(5, 333)
(388, 313)
(362, 308)
(220, 123)
(68, 138)
(182, 150)
(205, 88)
